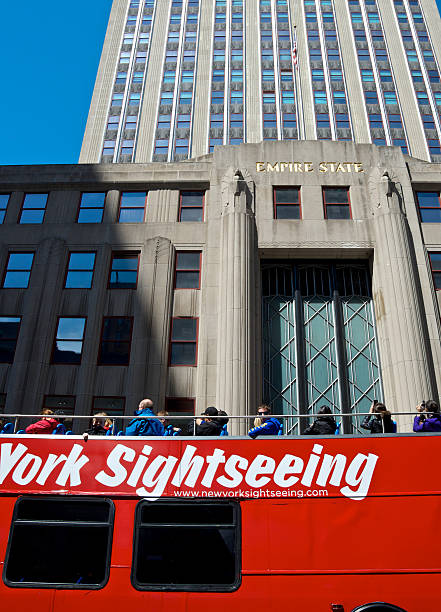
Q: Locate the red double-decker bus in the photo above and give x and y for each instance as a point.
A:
(188, 524)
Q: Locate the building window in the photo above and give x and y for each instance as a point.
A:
(287, 203)
(9, 328)
(43, 528)
(68, 346)
(371, 97)
(91, 207)
(116, 338)
(188, 270)
(4, 200)
(80, 271)
(34, 207)
(18, 270)
(435, 264)
(132, 207)
(390, 97)
(191, 206)
(336, 203)
(187, 546)
(124, 271)
(430, 206)
(183, 344)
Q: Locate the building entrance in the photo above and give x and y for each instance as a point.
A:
(319, 340)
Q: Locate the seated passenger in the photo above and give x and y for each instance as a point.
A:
(145, 427)
(100, 426)
(378, 420)
(169, 430)
(429, 418)
(206, 427)
(46, 425)
(324, 425)
(270, 425)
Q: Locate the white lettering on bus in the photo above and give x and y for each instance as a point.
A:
(125, 466)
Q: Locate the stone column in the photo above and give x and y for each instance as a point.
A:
(405, 361)
(236, 388)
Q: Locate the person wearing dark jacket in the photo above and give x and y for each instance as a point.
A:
(429, 418)
(379, 420)
(270, 426)
(99, 425)
(145, 427)
(324, 425)
(209, 426)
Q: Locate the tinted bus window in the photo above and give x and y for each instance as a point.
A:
(59, 542)
(187, 546)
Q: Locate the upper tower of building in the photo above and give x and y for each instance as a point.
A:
(178, 77)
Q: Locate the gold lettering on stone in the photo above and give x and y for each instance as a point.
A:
(296, 166)
(260, 166)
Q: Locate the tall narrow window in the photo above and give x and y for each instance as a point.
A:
(18, 270)
(91, 207)
(336, 203)
(116, 339)
(80, 271)
(430, 206)
(287, 203)
(68, 346)
(435, 264)
(4, 200)
(188, 270)
(9, 328)
(183, 344)
(191, 206)
(186, 546)
(132, 207)
(43, 528)
(34, 207)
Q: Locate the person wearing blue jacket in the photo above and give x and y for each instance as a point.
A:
(145, 427)
(429, 418)
(270, 425)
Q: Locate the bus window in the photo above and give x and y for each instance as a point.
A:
(187, 546)
(63, 543)
(378, 606)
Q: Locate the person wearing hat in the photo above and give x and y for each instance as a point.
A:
(209, 426)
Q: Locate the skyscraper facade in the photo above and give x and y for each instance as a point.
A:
(178, 77)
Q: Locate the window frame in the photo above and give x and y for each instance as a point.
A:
(20, 318)
(179, 252)
(63, 585)
(129, 342)
(195, 342)
(124, 255)
(5, 209)
(427, 207)
(29, 272)
(299, 204)
(22, 208)
(82, 270)
(325, 203)
(132, 207)
(430, 253)
(90, 208)
(202, 207)
(59, 317)
(195, 588)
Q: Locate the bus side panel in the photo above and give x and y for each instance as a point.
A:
(333, 535)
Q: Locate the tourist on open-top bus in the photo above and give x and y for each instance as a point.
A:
(429, 418)
(379, 419)
(46, 424)
(324, 424)
(209, 426)
(270, 425)
(145, 427)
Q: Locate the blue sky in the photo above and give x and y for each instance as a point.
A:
(50, 51)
